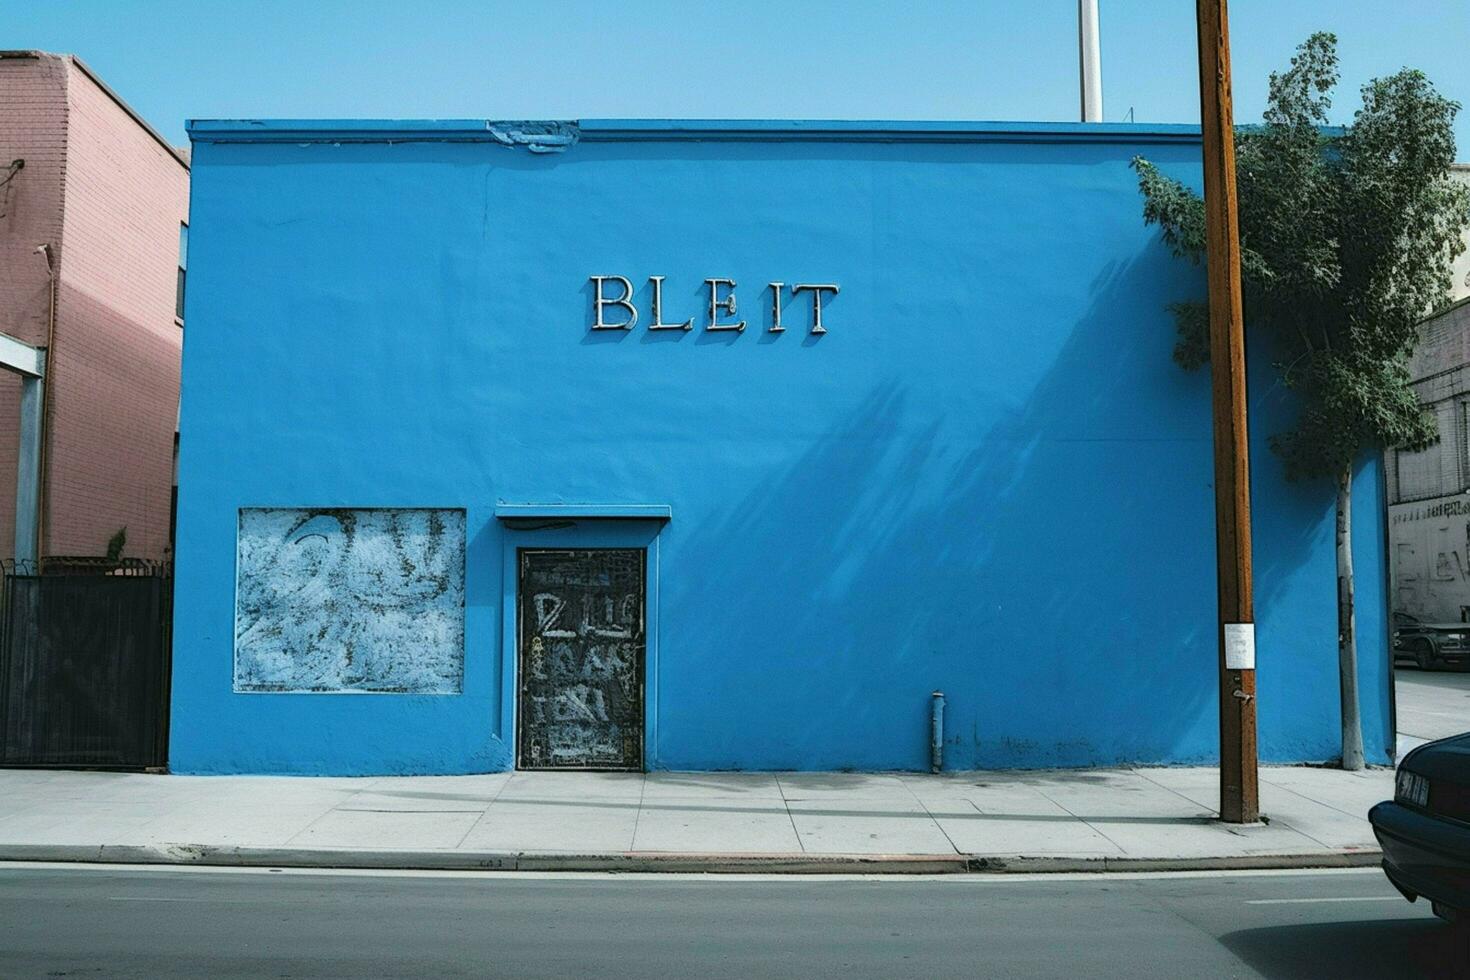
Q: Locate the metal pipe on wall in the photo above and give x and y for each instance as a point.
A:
(43, 464)
(936, 731)
(1089, 60)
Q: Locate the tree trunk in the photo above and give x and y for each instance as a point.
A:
(1347, 630)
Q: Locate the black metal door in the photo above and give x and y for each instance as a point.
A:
(580, 665)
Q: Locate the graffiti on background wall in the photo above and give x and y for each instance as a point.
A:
(1410, 513)
(1430, 560)
(350, 600)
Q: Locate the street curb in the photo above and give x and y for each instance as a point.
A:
(666, 862)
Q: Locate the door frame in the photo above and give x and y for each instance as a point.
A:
(578, 534)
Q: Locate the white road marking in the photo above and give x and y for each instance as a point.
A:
(190, 901)
(1309, 901)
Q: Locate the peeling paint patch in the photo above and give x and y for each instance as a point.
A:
(536, 136)
(338, 600)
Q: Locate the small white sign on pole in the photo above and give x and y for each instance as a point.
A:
(1240, 646)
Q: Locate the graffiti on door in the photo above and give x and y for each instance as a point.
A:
(581, 653)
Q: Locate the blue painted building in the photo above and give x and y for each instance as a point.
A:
(434, 518)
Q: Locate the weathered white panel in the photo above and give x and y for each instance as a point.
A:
(350, 600)
(1430, 558)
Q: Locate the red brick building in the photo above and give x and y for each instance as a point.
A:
(93, 205)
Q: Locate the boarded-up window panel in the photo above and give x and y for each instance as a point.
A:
(1462, 455)
(341, 600)
(1420, 475)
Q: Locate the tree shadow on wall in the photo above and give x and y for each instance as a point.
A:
(1044, 556)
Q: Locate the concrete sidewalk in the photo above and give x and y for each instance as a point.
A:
(1431, 704)
(1013, 821)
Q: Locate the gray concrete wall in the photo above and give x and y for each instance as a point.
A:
(1429, 508)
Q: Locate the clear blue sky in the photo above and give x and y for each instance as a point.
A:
(536, 59)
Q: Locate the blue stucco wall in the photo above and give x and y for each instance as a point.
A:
(988, 477)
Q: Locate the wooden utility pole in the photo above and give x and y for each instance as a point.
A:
(1239, 797)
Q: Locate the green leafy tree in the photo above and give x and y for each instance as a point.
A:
(1347, 238)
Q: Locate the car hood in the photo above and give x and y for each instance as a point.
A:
(1440, 627)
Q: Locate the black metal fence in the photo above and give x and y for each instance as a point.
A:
(84, 663)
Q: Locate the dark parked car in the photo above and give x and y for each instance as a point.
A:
(1425, 829)
(1430, 644)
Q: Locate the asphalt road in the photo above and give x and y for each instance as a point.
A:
(136, 922)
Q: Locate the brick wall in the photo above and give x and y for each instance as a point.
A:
(114, 368)
(1440, 366)
(114, 197)
(33, 115)
(1429, 532)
